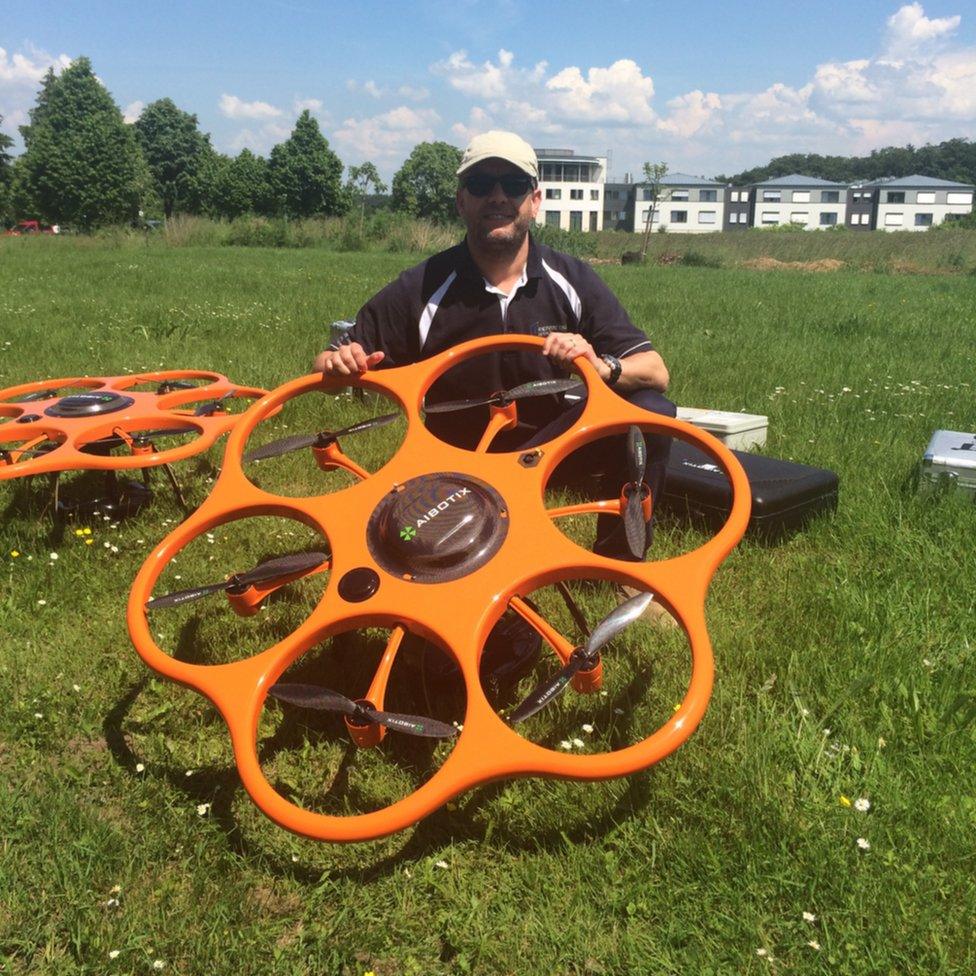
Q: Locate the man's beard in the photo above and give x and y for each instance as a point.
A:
(502, 245)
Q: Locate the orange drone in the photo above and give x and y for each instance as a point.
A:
(112, 424)
(441, 542)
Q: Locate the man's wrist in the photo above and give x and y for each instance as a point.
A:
(610, 374)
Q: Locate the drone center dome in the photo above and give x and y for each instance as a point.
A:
(92, 404)
(437, 527)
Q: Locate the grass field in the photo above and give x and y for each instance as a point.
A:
(844, 671)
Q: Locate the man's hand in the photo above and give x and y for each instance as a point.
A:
(563, 347)
(347, 360)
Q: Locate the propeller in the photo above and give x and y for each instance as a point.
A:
(167, 386)
(299, 562)
(583, 658)
(361, 713)
(635, 528)
(113, 440)
(36, 395)
(322, 439)
(211, 407)
(504, 397)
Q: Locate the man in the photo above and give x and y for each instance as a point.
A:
(498, 280)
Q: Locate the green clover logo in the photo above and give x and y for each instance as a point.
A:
(407, 532)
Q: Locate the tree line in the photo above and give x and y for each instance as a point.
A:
(954, 159)
(83, 165)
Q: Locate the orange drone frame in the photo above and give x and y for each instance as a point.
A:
(373, 583)
(109, 407)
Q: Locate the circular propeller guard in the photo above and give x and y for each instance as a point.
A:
(455, 609)
(32, 415)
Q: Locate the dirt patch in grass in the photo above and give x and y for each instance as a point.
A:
(266, 901)
(772, 264)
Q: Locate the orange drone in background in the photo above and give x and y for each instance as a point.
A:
(440, 542)
(78, 423)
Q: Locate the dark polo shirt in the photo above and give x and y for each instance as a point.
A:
(444, 301)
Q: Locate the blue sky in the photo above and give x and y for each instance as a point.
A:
(706, 87)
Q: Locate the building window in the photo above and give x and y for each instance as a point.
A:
(679, 216)
(770, 217)
(828, 218)
(830, 196)
(893, 219)
(594, 194)
(801, 196)
(554, 194)
(893, 197)
(924, 197)
(957, 198)
(923, 220)
(593, 220)
(708, 196)
(799, 216)
(576, 220)
(706, 216)
(771, 196)
(552, 218)
(575, 194)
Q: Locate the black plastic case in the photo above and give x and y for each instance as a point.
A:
(785, 495)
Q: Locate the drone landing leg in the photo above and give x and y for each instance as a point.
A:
(176, 488)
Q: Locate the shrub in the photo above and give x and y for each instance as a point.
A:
(573, 242)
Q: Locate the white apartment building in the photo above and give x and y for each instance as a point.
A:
(919, 202)
(812, 203)
(685, 205)
(572, 189)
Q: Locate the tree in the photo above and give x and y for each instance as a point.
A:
(6, 174)
(654, 173)
(242, 186)
(306, 176)
(359, 182)
(425, 185)
(81, 162)
(177, 154)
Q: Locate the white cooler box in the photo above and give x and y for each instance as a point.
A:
(950, 461)
(738, 431)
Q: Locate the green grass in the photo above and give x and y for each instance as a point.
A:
(861, 625)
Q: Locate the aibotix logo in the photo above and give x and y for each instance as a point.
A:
(434, 512)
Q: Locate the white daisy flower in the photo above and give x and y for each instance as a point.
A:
(862, 805)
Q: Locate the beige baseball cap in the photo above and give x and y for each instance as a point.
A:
(500, 145)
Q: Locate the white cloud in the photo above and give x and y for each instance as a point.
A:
(415, 94)
(132, 111)
(918, 86)
(314, 105)
(908, 30)
(618, 94)
(372, 89)
(388, 137)
(21, 74)
(233, 107)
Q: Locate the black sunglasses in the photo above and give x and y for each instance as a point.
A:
(513, 185)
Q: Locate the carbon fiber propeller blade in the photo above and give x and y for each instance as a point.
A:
(583, 658)
(323, 699)
(209, 408)
(636, 454)
(36, 395)
(525, 390)
(635, 528)
(268, 570)
(167, 386)
(298, 441)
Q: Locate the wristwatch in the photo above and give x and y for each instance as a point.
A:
(615, 368)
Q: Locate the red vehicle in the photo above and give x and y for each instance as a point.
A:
(30, 227)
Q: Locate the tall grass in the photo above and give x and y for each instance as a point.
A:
(844, 668)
